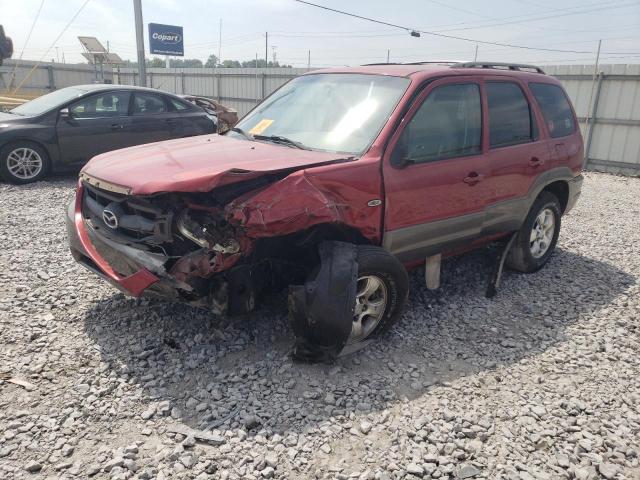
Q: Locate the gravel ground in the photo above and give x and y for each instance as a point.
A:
(541, 382)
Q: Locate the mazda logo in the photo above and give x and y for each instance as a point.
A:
(109, 218)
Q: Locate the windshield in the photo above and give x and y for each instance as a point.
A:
(333, 112)
(47, 102)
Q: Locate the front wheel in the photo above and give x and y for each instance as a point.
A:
(382, 288)
(538, 235)
(23, 162)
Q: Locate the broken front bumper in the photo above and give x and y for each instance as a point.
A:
(126, 268)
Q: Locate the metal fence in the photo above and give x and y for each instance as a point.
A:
(45, 77)
(239, 88)
(612, 143)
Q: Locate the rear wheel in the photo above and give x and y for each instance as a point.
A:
(23, 162)
(383, 285)
(538, 235)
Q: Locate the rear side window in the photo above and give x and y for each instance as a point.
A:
(448, 124)
(148, 104)
(510, 121)
(178, 105)
(555, 109)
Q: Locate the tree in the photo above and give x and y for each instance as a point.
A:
(231, 64)
(212, 61)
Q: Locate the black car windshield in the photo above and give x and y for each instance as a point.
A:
(47, 102)
(336, 112)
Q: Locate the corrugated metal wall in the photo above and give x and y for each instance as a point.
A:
(239, 88)
(613, 145)
(46, 77)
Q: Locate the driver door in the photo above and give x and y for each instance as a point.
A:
(96, 124)
(434, 172)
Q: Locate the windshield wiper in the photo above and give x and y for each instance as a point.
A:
(246, 135)
(282, 140)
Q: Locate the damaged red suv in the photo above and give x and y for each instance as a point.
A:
(333, 186)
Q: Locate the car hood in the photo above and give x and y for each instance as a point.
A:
(11, 118)
(196, 164)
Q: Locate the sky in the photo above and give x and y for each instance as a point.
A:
(295, 29)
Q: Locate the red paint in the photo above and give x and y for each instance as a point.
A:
(136, 283)
(198, 164)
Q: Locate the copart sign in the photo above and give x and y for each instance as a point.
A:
(166, 40)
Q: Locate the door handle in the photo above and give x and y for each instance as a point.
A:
(535, 162)
(170, 120)
(117, 126)
(473, 178)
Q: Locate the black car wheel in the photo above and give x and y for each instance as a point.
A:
(23, 162)
(538, 235)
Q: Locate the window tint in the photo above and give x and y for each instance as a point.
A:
(509, 115)
(148, 104)
(178, 105)
(110, 104)
(448, 124)
(555, 109)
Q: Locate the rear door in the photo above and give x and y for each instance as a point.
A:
(435, 173)
(151, 117)
(96, 124)
(518, 152)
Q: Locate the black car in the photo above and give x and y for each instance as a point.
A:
(65, 128)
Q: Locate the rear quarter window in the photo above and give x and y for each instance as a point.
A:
(555, 108)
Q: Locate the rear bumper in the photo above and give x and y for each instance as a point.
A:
(84, 243)
(575, 188)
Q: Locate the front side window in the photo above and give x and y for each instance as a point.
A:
(510, 120)
(110, 104)
(555, 109)
(448, 124)
(148, 104)
(335, 112)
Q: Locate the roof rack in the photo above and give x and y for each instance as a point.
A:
(447, 62)
(499, 65)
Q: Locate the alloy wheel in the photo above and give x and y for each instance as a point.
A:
(24, 163)
(542, 233)
(371, 302)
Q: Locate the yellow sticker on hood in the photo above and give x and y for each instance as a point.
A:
(261, 126)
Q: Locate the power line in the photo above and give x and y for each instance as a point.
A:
(26, 42)
(453, 37)
(26, 77)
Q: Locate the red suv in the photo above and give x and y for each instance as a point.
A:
(334, 186)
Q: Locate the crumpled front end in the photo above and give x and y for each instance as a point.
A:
(221, 248)
(164, 245)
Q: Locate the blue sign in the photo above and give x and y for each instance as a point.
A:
(166, 40)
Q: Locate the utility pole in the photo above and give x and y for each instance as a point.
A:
(388, 52)
(266, 49)
(309, 60)
(475, 56)
(57, 56)
(588, 119)
(220, 44)
(273, 49)
(142, 70)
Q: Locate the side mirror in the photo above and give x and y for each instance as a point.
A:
(65, 114)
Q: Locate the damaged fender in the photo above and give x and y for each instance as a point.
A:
(322, 309)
